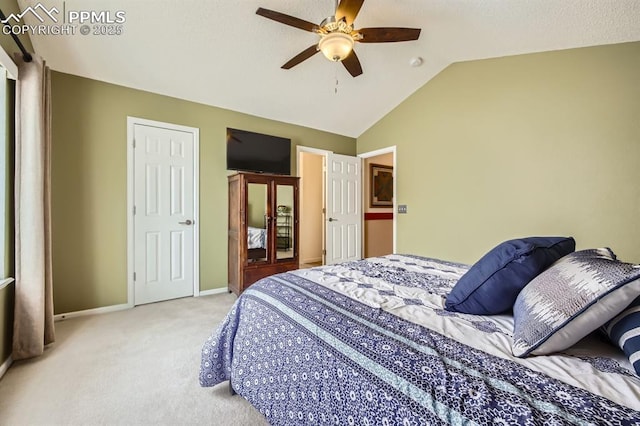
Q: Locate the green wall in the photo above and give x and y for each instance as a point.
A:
(256, 204)
(538, 144)
(90, 183)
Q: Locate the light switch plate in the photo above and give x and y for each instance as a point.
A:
(402, 208)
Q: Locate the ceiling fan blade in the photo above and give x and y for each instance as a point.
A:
(304, 55)
(287, 19)
(352, 64)
(349, 10)
(387, 35)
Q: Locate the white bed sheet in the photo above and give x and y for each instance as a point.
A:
(256, 237)
(591, 364)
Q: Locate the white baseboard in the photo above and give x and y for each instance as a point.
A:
(312, 260)
(213, 291)
(95, 311)
(115, 308)
(5, 366)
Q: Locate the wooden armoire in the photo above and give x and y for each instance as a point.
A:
(263, 227)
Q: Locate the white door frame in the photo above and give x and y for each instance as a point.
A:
(131, 122)
(387, 150)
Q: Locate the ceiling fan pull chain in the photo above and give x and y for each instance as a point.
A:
(336, 87)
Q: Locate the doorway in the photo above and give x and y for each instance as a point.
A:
(310, 169)
(379, 228)
(162, 180)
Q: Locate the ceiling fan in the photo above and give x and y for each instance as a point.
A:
(337, 35)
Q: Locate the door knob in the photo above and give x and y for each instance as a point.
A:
(332, 219)
(186, 222)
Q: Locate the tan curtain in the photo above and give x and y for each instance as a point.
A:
(33, 321)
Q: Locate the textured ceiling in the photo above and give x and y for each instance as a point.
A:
(221, 53)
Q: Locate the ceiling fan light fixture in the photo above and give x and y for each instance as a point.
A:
(336, 46)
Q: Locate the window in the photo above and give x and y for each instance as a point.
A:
(3, 171)
(8, 70)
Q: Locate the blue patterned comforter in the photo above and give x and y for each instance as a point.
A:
(368, 343)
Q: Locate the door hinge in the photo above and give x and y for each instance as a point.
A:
(134, 210)
(134, 276)
(324, 210)
(134, 143)
(324, 252)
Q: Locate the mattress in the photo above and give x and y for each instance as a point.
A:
(369, 342)
(256, 237)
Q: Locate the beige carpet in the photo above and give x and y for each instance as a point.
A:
(133, 367)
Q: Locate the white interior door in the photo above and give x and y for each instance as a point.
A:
(343, 218)
(164, 218)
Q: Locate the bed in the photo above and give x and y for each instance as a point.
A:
(256, 240)
(369, 342)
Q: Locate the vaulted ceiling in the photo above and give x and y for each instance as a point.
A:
(221, 53)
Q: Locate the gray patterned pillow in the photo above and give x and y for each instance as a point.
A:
(575, 296)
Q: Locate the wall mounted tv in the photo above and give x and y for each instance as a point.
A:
(255, 152)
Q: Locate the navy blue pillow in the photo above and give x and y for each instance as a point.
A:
(624, 331)
(491, 286)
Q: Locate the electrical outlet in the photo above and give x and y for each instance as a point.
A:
(402, 208)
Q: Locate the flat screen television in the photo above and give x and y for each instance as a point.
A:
(255, 152)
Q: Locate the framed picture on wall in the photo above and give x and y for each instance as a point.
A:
(381, 187)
